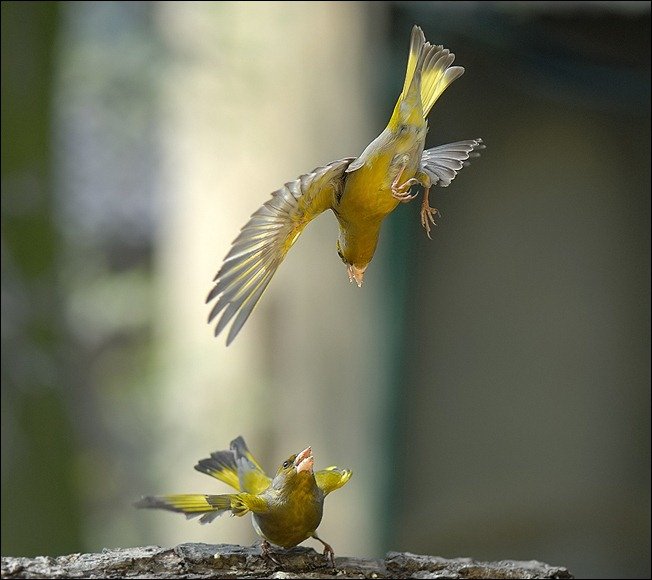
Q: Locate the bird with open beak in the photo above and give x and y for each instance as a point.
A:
(286, 510)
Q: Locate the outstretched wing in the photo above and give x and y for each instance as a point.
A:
(265, 240)
(236, 467)
(442, 163)
(251, 475)
(332, 478)
(221, 465)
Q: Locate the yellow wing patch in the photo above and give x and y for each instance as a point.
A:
(332, 478)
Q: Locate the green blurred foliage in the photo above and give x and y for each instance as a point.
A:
(40, 500)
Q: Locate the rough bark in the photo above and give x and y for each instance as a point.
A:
(231, 561)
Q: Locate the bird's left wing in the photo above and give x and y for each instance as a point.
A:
(332, 478)
(253, 478)
(236, 467)
(265, 240)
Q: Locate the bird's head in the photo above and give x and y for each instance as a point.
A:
(354, 269)
(295, 469)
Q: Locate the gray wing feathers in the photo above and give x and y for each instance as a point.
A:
(443, 163)
(263, 242)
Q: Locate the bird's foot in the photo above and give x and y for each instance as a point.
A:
(265, 548)
(428, 217)
(330, 554)
(328, 551)
(402, 192)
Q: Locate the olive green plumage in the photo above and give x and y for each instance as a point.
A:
(286, 509)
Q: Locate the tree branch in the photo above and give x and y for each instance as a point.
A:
(231, 561)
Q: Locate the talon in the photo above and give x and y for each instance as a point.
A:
(402, 191)
(330, 554)
(427, 217)
(266, 552)
(404, 197)
(328, 551)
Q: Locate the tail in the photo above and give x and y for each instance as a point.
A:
(431, 67)
(208, 507)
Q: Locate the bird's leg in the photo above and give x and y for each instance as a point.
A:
(402, 191)
(328, 551)
(265, 548)
(427, 213)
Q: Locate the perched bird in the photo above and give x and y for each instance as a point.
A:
(360, 191)
(286, 510)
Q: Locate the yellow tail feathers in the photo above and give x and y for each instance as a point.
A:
(431, 66)
(207, 506)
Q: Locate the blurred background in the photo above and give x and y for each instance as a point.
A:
(490, 388)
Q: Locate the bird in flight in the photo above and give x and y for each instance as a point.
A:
(361, 192)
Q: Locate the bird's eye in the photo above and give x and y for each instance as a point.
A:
(286, 464)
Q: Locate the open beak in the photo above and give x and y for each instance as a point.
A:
(356, 274)
(304, 461)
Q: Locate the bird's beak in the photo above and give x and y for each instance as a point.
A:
(304, 461)
(356, 274)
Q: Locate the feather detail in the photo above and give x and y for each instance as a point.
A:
(236, 467)
(208, 507)
(264, 241)
(444, 162)
(332, 478)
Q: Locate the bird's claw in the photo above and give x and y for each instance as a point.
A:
(402, 192)
(403, 196)
(330, 554)
(428, 217)
(266, 552)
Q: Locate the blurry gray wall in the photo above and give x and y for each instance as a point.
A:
(524, 379)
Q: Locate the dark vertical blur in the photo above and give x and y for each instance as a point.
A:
(522, 422)
(38, 491)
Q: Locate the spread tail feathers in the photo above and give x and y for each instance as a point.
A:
(207, 506)
(193, 505)
(431, 66)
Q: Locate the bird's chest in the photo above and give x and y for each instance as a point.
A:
(368, 190)
(289, 523)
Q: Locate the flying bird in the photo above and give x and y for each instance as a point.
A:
(286, 510)
(361, 192)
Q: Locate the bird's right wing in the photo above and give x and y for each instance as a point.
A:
(442, 163)
(332, 478)
(265, 240)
